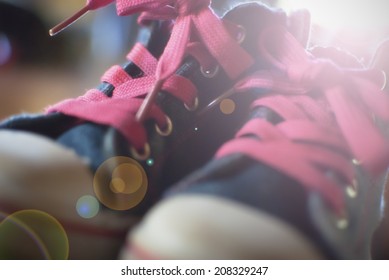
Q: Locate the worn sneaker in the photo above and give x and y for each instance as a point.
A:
(46, 165)
(380, 247)
(302, 179)
(127, 142)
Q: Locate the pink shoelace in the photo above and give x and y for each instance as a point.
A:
(133, 100)
(327, 114)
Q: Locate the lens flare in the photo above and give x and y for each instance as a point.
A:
(150, 162)
(32, 234)
(355, 14)
(87, 207)
(127, 178)
(227, 106)
(120, 183)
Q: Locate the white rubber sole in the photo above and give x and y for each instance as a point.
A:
(207, 227)
(36, 173)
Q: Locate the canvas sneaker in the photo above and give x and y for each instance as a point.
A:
(303, 177)
(48, 164)
(126, 149)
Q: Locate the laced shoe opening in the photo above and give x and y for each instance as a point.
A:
(167, 130)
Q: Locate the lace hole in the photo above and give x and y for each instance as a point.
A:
(168, 130)
(341, 220)
(143, 155)
(385, 83)
(241, 36)
(352, 189)
(209, 73)
(342, 223)
(192, 107)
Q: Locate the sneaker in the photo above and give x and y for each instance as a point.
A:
(113, 135)
(302, 179)
(380, 247)
(56, 176)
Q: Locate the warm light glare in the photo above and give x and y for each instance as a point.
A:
(227, 106)
(127, 178)
(121, 183)
(356, 14)
(32, 234)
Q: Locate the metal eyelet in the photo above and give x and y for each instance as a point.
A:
(341, 220)
(385, 80)
(352, 190)
(241, 36)
(209, 73)
(194, 106)
(143, 155)
(342, 223)
(325, 216)
(168, 130)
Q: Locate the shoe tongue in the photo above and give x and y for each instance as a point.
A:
(256, 16)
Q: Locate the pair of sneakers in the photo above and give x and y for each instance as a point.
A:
(304, 176)
(96, 166)
(285, 187)
(302, 179)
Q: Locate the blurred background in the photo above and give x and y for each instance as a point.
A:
(37, 70)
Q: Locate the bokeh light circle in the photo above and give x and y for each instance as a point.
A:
(87, 206)
(32, 234)
(5, 49)
(150, 162)
(227, 106)
(126, 178)
(120, 183)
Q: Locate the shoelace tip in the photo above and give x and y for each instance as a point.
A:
(69, 21)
